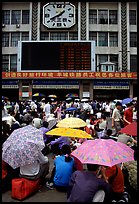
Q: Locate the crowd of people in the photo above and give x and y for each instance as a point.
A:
(95, 182)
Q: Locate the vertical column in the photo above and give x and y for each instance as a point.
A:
(79, 20)
(131, 89)
(34, 29)
(124, 35)
(80, 89)
(128, 39)
(91, 89)
(87, 20)
(30, 90)
(20, 90)
(119, 37)
(83, 21)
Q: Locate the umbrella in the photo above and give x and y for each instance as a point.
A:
(4, 97)
(68, 99)
(103, 152)
(116, 100)
(69, 132)
(135, 98)
(52, 96)
(52, 123)
(84, 100)
(72, 95)
(126, 101)
(22, 146)
(39, 94)
(71, 109)
(72, 122)
(130, 129)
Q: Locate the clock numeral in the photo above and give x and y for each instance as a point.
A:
(69, 9)
(59, 5)
(69, 20)
(64, 19)
(71, 15)
(48, 21)
(53, 24)
(59, 24)
(47, 15)
(49, 9)
(64, 24)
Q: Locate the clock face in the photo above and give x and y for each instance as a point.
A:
(59, 15)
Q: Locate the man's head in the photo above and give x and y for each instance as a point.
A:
(118, 105)
(92, 167)
(130, 105)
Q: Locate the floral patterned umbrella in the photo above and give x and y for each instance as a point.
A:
(103, 152)
(22, 146)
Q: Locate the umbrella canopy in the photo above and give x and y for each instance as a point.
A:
(69, 132)
(23, 146)
(130, 129)
(72, 122)
(135, 98)
(72, 95)
(84, 100)
(71, 109)
(116, 100)
(68, 99)
(39, 95)
(126, 101)
(52, 96)
(103, 152)
(4, 97)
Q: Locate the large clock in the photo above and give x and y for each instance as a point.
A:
(59, 15)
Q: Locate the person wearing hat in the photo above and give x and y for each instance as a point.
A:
(117, 118)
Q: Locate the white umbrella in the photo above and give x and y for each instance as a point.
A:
(84, 100)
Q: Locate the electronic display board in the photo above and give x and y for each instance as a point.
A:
(56, 55)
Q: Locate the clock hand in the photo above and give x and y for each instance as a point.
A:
(57, 15)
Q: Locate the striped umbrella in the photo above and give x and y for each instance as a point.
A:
(72, 95)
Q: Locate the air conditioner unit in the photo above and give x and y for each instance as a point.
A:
(17, 25)
(3, 25)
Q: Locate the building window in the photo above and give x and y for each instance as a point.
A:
(132, 17)
(93, 36)
(16, 17)
(15, 37)
(6, 17)
(5, 63)
(13, 63)
(114, 59)
(73, 36)
(112, 16)
(59, 36)
(93, 16)
(25, 36)
(133, 63)
(113, 39)
(133, 39)
(5, 39)
(103, 38)
(44, 36)
(103, 16)
(25, 17)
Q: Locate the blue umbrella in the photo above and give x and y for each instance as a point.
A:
(126, 101)
(71, 109)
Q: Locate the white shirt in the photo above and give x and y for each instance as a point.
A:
(107, 108)
(47, 109)
(34, 168)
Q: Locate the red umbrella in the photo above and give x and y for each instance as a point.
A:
(130, 129)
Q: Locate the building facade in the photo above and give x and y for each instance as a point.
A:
(113, 27)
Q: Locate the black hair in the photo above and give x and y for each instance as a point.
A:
(66, 151)
(92, 167)
(118, 103)
(129, 104)
(109, 132)
(45, 124)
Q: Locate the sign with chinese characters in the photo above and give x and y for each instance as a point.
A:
(111, 84)
(69, 75)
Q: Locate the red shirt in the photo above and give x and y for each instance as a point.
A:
(128, 113)
(118, 182)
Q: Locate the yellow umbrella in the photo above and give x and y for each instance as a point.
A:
(69, 132)
(71, 123)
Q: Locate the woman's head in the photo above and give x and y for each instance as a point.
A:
(66, 149)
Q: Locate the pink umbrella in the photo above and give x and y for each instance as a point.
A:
(130, 129)
(103, 152)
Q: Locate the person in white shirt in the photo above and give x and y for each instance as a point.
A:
(37, 169)
(47, 110)
(107, 110)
